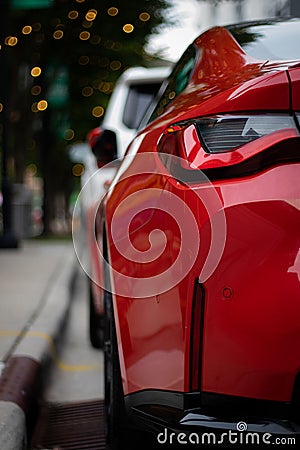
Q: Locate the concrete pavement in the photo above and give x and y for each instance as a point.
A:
(35, 288)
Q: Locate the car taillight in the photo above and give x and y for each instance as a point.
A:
(229, 145)
(221, 134)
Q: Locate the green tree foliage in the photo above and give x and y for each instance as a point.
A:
(77, 49)
(88, 37)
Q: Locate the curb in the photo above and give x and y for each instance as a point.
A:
(22, 377)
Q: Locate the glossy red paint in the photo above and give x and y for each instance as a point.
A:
(251, 339)
(257, 353)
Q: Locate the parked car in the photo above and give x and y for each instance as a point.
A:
(132, 95)
(198, 240)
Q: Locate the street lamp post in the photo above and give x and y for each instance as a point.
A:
(8, 238)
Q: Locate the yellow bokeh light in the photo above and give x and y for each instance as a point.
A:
(34, 107)
(42, 105)
(36, 71)
(32, 169)
(11, 41)
(87, 91)
(27, 29)
(84, 35)
(144, 16)
(1, 107)
(128, 28)
(58, 34)
(112, 11)
(115, 65)
(78, 169)
(69, 134)
(98, 111)
(91, 15)
(73, 14)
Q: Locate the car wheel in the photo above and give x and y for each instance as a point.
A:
(114, 396)
(96, 323)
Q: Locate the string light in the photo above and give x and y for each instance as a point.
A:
(42, 105)
(91, 15)
(128, 28)
(58, 34)
(98, 111)
(73, 14)
(144, 16)
(84, 35)
(11, 41)
(27, 29)
(115, 65)
(78, 169)
(87, 91)
(35, 71)
(69, 134)
(112, 11)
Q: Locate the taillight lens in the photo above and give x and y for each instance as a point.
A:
(222, 134)
(221, 146)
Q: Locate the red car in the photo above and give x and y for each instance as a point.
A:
(199, 236)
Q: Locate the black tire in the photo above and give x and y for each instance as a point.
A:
(96, 323)
(115, 417)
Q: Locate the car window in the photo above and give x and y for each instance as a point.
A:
(138, 100)
(177, 81)
(271, 41)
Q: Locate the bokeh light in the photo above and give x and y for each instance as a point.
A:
(42, 105)
(36, 71)
(98, 111)
(144, 16)
(84, 35)
(78, 169)
(27, 29)
(112, 11)
(128, 28)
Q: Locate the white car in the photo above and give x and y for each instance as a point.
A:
(133, 94)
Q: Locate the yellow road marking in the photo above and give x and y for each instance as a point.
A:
(61, 365)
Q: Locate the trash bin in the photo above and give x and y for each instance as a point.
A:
(21, 210)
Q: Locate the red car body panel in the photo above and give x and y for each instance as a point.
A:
(251, 338)
(258, 269)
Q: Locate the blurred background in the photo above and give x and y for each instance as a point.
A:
(59, 62)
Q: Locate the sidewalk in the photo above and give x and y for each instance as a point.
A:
(35, 287)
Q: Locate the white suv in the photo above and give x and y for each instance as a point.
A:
(132, 95)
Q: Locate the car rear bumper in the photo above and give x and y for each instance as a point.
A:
(171, 427)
